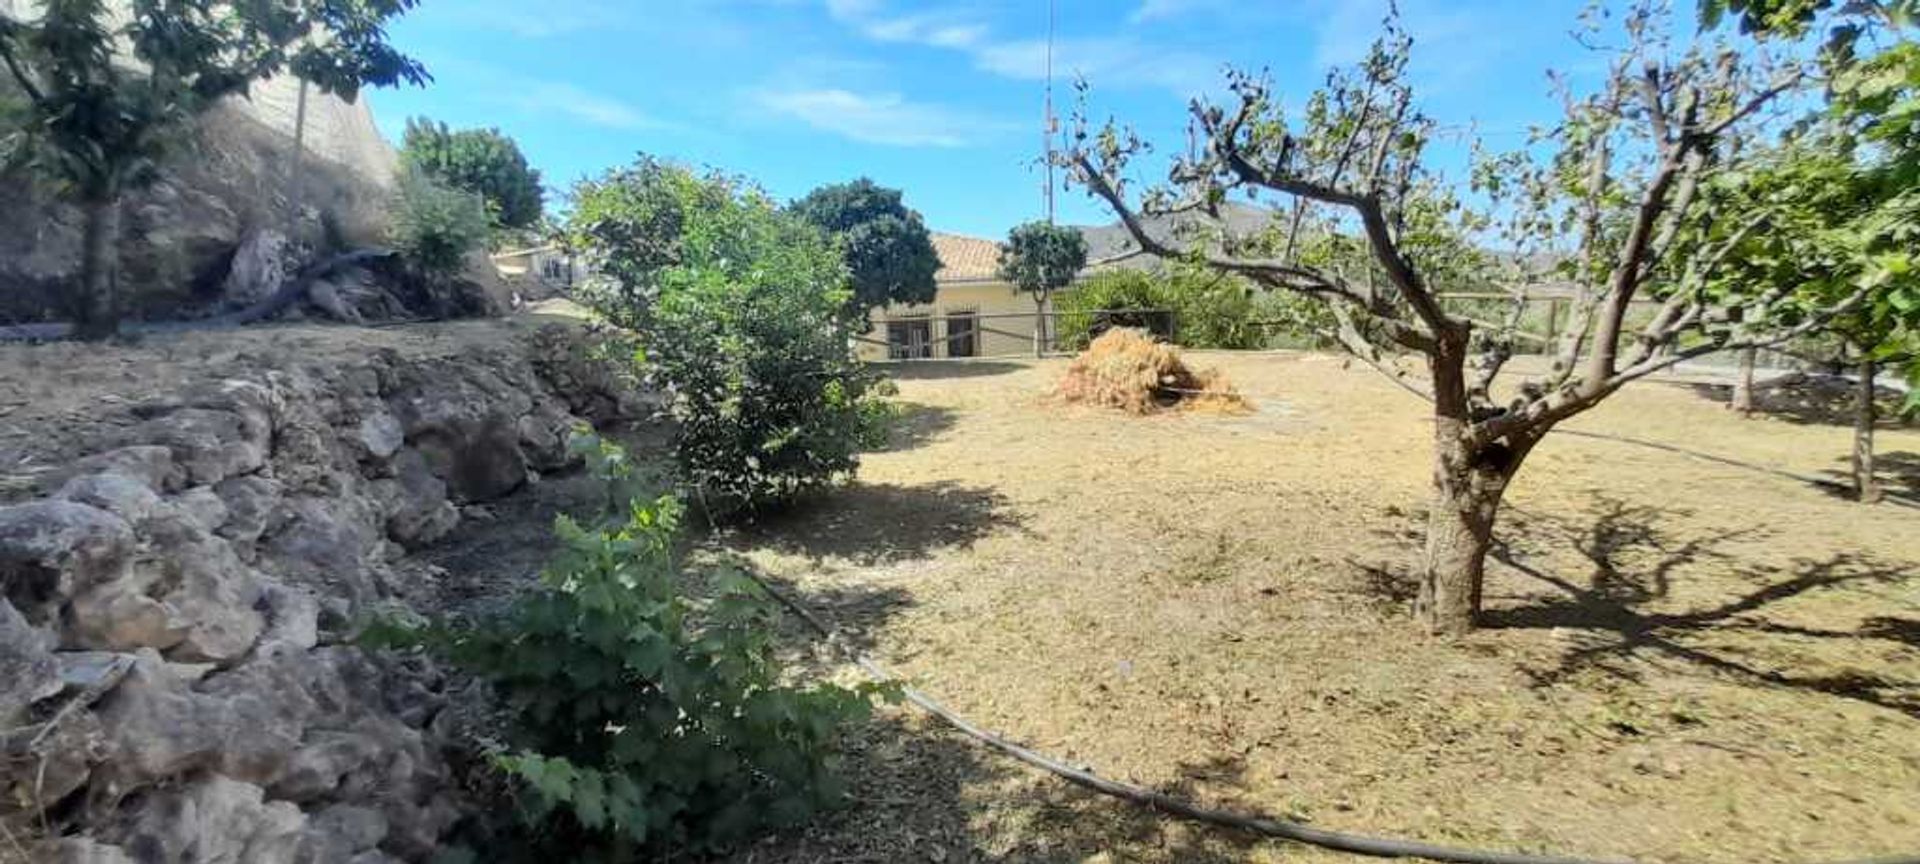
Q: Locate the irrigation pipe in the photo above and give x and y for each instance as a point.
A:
(1358, 844)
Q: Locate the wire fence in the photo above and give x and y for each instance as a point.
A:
(1540, 325)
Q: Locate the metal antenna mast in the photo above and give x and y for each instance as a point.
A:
(1050, 126)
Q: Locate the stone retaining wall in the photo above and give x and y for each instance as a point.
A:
(174, 673)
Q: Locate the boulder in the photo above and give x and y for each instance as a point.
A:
(128, 497)
(215, 597)
(209, 444)
(157, 727)
(251, 503)
(342, 832)
(326, 544)
(381, 435)
(52, 549)
(81, 850)
(212, 819)
(201, 506)
(415, 502)
(151, 464)
(259, 269)
(28, 671)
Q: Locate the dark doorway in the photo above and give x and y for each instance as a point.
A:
(963, 335)
(911, 339)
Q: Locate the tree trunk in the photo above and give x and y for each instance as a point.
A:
(1742, 401)
(1468, 483)
(1866, 489)
(1467, 491)
(96, 312)
(1040, 324)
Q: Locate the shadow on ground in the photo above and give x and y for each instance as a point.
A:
(1824, 400)
(1899, 471)
(1744, 637)
(917, 425)
(876, 523)
(941, 370)
(921, 792)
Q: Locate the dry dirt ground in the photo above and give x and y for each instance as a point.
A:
(1694, 653)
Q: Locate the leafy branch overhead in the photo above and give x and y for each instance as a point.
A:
(110, 93)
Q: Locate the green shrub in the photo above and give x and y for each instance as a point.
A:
(1208, 310)
(639, 718)
(435, 226)
(742, 317)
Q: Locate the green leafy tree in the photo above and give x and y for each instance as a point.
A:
(741, 313)
(1820, 225)
(1205, 309)
(641, 720)
(888, 250)
(434, 228)
(1611, 188)
(482, 161)
(110, 93)
(1040, 258)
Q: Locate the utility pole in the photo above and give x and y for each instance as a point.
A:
(298, 161)
(1049, 126)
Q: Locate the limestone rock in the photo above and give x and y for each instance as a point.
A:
(151, 464)
(415, 502)
(125, 496)
(258, 270)
(326, 543)
(215, 819)
(210, 445)
(202, 506)
(81, 850)
(381, 435)
(52, 549)
(215, 596)
(251, 503)
(28, 671)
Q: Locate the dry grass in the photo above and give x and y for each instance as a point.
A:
(1692, 660)
(1127, 369)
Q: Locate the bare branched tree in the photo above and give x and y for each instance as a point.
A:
(1375, 238)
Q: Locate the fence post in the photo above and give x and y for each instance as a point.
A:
(1553, 325)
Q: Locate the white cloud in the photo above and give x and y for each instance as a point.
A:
(582, 105)
(1151, 10)
(882, 118)
(544, 22)
(1124, 61)
(1113, 61)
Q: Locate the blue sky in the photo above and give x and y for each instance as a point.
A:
(942, 100)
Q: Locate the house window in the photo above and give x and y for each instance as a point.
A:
(910, 339)
(963, 334)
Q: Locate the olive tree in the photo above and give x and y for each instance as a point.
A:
(1040, 258)
(112, 85)
(1620, 173)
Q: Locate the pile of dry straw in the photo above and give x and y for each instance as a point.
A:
(1126, 369)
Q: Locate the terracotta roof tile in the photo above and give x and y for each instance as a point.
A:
(966, 259)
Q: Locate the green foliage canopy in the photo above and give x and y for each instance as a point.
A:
(1040, 258)
(640, 717)
(888, 249)
(741, 313)
(483, 161)
(105, 122)
(435, 225)
(1210, 309)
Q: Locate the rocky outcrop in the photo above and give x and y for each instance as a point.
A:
(176, 609)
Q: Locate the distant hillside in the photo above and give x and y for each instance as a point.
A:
(1107, 241)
